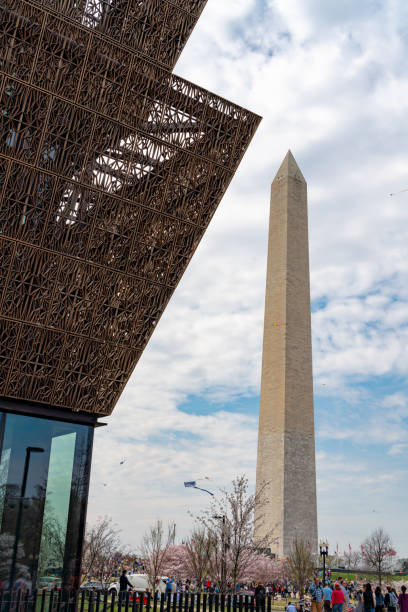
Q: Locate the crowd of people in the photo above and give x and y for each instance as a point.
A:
(282, 588)
(116, 564)
(339, 595)
(343, 596)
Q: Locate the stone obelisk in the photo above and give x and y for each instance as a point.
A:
(286, 444)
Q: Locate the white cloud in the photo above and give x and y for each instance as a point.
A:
(350, 506)
(331, 85)
(398, 449)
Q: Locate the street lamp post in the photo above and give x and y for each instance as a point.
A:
(29, 450)
(324, 551)
(223, 518)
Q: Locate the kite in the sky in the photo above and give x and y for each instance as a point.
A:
(123, 461)
(192, 484)
(397, 192)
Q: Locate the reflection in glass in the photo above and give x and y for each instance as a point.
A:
(44, 477)
(56, 508)
(4, 466)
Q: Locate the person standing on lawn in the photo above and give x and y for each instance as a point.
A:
(124, 584)
(316, 591)
(368, 598)
(260, 594)
(169, 586)
(390, 600)
(379, 600)
(403, 600)
(337, 598)
(345, 593)
(327, 593)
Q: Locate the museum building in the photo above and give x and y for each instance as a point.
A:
(111, 168)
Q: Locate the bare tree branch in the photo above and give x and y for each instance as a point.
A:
(155, 550)
(352, 559)
(101, 542)
(199, 548)
(301, 563)
(377, 552)
(230, 525)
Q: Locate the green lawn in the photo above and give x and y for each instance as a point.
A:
(372, 578)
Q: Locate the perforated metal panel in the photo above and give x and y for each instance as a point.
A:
(111, 168)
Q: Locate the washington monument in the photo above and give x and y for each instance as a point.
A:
(286, 445)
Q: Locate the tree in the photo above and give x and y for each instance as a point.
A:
(332, 561)
(265, 569)
(155, 548)
(100, 543)
(52, 541)
(199, 549)
(377, 552)
(301, 563)
(230, 526)
(176, 562)
(6, 554)
(351, 559)
(192, 558)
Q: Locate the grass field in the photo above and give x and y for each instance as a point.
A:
(372, 578)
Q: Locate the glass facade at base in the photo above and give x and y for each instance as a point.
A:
(44, 479)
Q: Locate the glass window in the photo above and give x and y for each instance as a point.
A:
(44, 477)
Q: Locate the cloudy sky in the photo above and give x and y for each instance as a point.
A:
(330, 79)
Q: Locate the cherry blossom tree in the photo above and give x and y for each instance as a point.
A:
(176, 562)
(352, 559)
(377, 552)
(264, 569)
(192, 558)
(197, 566)
(229, 521)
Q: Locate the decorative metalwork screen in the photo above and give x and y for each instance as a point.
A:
(111, 168)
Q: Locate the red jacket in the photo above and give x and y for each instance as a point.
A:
(337, 596)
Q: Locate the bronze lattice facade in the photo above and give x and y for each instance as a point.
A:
(111, 168)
